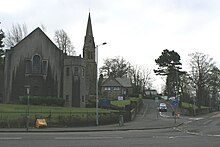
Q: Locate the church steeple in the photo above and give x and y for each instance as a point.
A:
(89, 44)
(89, 27)
(89, 56)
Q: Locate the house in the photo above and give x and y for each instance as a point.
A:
(36, 61)
(116, 88)
(150, 93)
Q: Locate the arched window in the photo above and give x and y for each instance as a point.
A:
(36, 66)
(67, 71)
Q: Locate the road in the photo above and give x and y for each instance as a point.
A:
(200, 131)
(154, 138)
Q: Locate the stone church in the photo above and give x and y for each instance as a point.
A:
(36, 61)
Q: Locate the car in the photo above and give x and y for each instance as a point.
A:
(163, 107)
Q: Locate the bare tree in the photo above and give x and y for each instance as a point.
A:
(201, 68)
(71, 50)
(147, 78)
(116, 67)
(43, 27)
(63, 42)
(15, 35)
(141, 78)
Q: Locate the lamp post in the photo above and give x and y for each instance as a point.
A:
(97, 82)
(28, 97)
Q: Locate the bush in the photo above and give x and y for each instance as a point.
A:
(91, 103)
(40, 100)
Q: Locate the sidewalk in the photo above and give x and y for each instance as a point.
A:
(140, 123)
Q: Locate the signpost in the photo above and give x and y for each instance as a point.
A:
(120, 98)
(175, 104)
(28, 97)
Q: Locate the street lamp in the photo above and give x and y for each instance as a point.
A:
(28, 96)
(97, 81)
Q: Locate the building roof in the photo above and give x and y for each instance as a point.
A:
(124, 82)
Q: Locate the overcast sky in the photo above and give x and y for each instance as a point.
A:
(137, 30)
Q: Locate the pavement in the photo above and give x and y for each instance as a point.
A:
(141, 122)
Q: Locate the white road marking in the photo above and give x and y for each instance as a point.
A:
(206, 122)
(186, 122)
(213, 135)
(199, 118)
(10, 138)
(173, 137)
(192, 133)
(86, 138)
(163, 115)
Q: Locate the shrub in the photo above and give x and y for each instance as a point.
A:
(40, 100)
(91, 103)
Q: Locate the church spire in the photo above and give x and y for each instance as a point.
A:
(89, 44)
(89, 27)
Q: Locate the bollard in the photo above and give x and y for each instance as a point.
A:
(121, 120)
(178, 115)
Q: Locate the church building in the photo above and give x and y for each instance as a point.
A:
(36, 61)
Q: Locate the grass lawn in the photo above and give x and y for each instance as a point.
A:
(35, 108)
(189, 105)
(15, 115)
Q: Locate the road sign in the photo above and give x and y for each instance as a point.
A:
(120, 98)
(175, 102)
(104, 102)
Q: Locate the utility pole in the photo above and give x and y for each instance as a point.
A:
(97, 85)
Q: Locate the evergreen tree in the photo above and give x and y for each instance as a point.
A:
(170, 65)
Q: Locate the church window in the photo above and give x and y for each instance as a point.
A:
(36, 64)
(83, 99)
(67, 71)
(89, 55)
(67, 98)
(44, 67)
(83, 72)
(76, 71)
(27, 66)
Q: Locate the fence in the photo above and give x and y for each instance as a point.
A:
(134, 111)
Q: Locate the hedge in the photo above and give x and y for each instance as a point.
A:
(40, 100)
